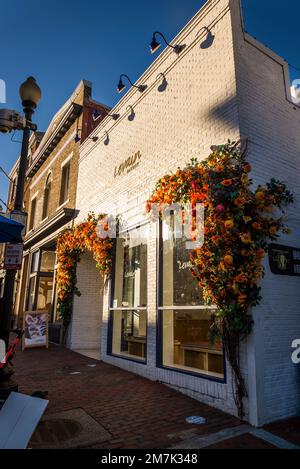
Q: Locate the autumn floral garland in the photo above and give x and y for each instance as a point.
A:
(71, 245)
(238, 225)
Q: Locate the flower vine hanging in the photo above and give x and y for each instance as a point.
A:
(239, 222)
(71, 245)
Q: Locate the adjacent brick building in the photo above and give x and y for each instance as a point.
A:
(50, 197)
(223, 85)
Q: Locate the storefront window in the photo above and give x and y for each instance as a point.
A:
(130, 289)
(186, 345)
(40, 282)
(129, 313)
(31, 288)
(129, 333)
(179, 287)
(185, 320)
(35, 261)
(44, 298)
(47, 261)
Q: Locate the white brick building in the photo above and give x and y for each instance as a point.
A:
(220, 87)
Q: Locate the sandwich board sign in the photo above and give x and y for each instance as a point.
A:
(13, 256)
(35, 325)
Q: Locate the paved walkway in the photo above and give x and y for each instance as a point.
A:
(130, 411)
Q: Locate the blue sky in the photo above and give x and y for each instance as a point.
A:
(62, 41)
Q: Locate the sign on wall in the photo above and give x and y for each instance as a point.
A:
(284, 260)
(35, 325)
(13, 256)
(128, 165)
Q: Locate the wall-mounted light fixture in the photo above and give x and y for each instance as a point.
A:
(163, 86)
(154, 45)
(106, 141)
(121, 85)
(209, 39)
(96, 115)
(131, 116)
(77, 137)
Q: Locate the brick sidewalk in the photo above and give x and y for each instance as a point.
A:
(138, 413)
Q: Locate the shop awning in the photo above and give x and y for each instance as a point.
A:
(10, 230)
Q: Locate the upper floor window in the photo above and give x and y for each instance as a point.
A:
(65, 180)
(32, 214)
(47, 192)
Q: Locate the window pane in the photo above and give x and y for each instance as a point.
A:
(30, 298)
(47, 261)
(46, 200)
(45, 286)
(186, 343)
(179, 287)
(35, 261)
(130, 333)
(64, 191)
(130, 289)
(32, 214)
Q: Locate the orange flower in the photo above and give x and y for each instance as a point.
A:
(215, 239)
(227, 182)
(260, 195)
(242, 298)
(241, 278)
(228, 260)
(246, 167)
(239, 201)
(229, 224)
(273, 230)
(256, 226)
(246, 238)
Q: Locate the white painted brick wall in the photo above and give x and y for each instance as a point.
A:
(87, 310)
(169, 128)
(232, 88)
(272, 123)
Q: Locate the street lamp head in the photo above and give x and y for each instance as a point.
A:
(30, 93)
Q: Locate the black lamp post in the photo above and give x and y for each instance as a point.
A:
(30, 95)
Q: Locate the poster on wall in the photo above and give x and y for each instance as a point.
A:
(35, 325)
